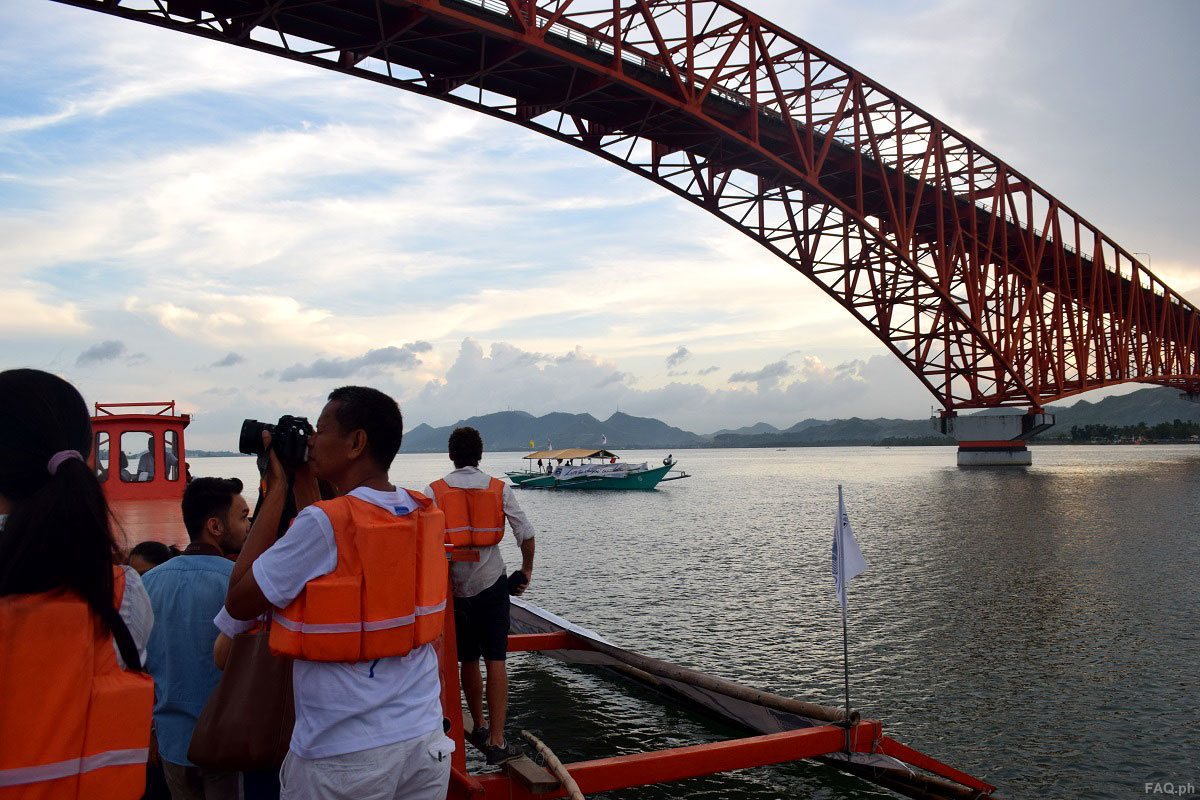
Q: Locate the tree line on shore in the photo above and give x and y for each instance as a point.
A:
(1176, 430)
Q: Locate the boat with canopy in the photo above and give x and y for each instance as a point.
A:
(583, 468)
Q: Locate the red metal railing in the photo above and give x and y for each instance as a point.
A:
(992, 291)
(157, 408)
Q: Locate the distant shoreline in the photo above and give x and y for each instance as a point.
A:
(1151, 415)
(790, 446)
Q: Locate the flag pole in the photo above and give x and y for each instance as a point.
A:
(845, 635)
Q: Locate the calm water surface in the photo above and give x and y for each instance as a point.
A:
(1035, 628)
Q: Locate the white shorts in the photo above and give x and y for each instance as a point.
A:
(415, 769)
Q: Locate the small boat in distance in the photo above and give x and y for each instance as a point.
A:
(596, 469)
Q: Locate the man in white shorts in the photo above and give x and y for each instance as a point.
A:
(365, 729)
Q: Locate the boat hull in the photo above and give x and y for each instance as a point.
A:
(519, 478)
(644, 481)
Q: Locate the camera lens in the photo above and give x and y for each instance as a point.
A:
(250, 440)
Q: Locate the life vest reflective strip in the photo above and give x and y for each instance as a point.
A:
(349, 627)
(19, 776)
(73, 723)
(474, 517)
(387, 594)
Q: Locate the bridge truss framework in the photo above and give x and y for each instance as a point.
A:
(988, 288)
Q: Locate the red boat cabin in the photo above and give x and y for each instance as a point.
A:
(140, 461)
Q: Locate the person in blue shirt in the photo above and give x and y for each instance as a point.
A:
(186, 593)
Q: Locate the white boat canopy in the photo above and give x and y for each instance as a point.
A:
(572, 452)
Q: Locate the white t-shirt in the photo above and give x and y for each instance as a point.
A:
(137, 614)
(341, 707)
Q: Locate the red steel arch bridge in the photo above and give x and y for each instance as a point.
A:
(992, 291)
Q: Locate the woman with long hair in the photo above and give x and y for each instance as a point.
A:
(74, 703)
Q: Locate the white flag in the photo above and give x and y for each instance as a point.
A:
(603, 439)
(847, 558)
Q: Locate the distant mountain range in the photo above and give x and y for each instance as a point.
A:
(810, 432)
(1150, 406)
(514, 430)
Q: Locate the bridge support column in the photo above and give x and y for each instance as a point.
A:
(994, 440)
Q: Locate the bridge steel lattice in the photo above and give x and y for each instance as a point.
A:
(987, 287)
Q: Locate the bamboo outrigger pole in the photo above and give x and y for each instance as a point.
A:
(663, 669)
(568, 783)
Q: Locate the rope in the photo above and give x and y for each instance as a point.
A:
(556, 766)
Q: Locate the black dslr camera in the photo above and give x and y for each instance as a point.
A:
(289, 438)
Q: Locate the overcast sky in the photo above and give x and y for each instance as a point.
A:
(181, 219)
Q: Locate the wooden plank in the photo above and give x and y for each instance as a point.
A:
(533, 777)
(536, 779)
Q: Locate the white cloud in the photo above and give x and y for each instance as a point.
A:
(119, 65)
(26, 311)
(508, 377)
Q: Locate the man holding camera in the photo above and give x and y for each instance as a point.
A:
(476, 506)
(356, 588)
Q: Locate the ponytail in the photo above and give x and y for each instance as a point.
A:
(58, 534)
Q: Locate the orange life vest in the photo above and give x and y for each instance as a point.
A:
(73, 723)
(387, 594)
(474, 517)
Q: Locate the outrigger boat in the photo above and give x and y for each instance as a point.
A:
(782, 730)
(597, 469)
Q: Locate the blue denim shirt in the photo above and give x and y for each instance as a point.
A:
(186, 593)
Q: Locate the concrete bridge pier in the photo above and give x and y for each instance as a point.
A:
(994, 440)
